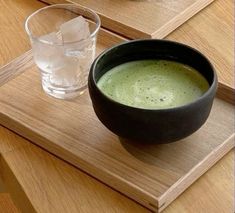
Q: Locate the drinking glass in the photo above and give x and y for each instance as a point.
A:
(63, 62)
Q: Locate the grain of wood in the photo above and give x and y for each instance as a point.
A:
(153, 176)
(10, 71)
(73, 191)
(12, 185)
(213, 192)
(2, 187)
(49, 185)
(211, 32)
(138, 19)
(6, 204)
(13, 43)
(14, 40)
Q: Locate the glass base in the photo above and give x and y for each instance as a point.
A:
(63, 93)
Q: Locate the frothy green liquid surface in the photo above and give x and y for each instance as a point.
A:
(153, 84)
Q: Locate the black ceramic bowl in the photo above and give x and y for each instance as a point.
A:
(154, 125)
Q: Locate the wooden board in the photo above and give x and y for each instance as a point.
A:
(152, 175)
(212, 33)
(142, 18)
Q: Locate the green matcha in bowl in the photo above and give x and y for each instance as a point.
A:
(153, 84)
(152, 90)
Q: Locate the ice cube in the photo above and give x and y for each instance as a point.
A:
(53, 38)
(49, 59)
(64, 73)
(45, 53)
(75, 30)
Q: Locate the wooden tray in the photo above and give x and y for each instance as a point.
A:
(142, 18)
(153, 175)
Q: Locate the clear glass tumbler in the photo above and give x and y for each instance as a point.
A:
(63, 39)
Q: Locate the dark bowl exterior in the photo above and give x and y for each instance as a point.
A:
(158, 126)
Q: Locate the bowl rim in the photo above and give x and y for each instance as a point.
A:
(213, 86)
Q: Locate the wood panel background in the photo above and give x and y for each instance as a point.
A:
(142, 19)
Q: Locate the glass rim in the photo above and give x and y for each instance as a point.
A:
(28, 31)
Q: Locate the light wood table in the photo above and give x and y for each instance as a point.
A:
(39, 181)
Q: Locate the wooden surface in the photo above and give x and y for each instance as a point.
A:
(10, 71)
(46, 184)
(138, 19)
(6, 204)
(14, 40)
(212, 32)
(152, 175)
(213, 192)
(66, 189)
